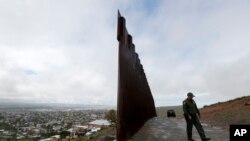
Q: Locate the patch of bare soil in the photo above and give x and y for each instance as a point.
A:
(222, 114)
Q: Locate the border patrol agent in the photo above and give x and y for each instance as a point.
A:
(192, 115)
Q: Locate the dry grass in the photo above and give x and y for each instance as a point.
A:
(223, 114)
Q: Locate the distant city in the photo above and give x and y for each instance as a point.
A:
(50, 121)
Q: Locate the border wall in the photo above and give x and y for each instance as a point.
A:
(135, 103)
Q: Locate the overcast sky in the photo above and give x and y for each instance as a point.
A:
(60, 51)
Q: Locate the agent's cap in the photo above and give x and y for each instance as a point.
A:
(190, 94)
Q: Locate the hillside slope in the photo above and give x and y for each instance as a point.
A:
(223, 114)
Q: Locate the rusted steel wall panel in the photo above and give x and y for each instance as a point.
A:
(135, 103)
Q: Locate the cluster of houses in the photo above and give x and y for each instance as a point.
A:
(80, 130)
(42, 124)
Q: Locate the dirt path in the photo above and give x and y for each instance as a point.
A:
(170, 129)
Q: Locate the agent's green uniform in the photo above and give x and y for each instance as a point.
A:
(190, 109)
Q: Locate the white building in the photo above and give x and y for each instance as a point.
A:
(99, 123)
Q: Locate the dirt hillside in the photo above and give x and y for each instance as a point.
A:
(222, 114)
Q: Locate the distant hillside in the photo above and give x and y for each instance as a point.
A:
(222, 114)
(10, 106)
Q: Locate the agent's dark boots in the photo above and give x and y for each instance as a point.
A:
(206, 139)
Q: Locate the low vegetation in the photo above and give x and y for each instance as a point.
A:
(222, 114)
(95, 136)
(111, 116)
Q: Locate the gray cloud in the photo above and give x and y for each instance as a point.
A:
(66, 52)
(199, 47)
